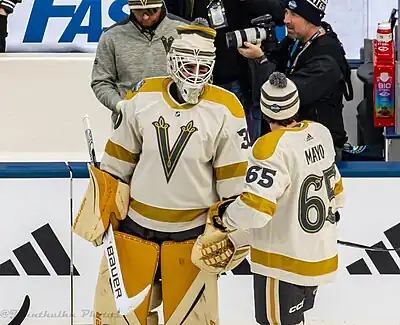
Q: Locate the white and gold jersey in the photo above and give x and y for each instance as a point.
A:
(292, 191)
(179, 158)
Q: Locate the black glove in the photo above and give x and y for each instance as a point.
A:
(217, 210)
(9, 5)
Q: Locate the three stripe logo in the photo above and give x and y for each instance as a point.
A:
(383, 261)
(30, 260)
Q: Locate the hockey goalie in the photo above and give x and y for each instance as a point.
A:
(179, 147)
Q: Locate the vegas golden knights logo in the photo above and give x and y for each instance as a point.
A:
(167, 43)
(170, 157)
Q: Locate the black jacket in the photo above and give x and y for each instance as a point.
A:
(229, 65)
(322, 76)
(3, 33)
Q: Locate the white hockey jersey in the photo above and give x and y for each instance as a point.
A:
(179, 159)
(292, 191)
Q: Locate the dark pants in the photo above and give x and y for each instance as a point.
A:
(130, 227)
(3, 33)
(339, 154)
(280, 303)
(253, 113)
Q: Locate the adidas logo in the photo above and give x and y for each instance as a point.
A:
(309, 137)
(30, 260)
(383, 261)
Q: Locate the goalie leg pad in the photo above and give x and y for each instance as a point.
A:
(190, 296)
(106, 200)
(138, 259)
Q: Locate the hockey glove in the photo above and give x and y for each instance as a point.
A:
(219, 250)
(9, 5)
(106, 202)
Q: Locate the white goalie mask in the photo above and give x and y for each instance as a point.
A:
(191, 60)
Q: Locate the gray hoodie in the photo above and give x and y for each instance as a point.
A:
(125, 56)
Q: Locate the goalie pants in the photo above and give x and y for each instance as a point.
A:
(280, 303)
(130, 227)
(189, 296)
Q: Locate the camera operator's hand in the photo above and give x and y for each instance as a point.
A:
(9, 5)
(251, 51)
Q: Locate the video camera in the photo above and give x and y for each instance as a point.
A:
(263, 30)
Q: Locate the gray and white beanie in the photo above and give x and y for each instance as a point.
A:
(279, 97)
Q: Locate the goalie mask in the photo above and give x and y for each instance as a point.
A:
(191, 59)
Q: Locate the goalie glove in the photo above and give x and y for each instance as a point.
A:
(219, 249)
(9, 5)
(106, 202)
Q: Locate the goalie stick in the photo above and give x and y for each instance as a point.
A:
(123, 303)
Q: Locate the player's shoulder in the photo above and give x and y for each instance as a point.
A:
(219, 95)
(155, 84)
(318, 127)
(266, 145)
(280, 139)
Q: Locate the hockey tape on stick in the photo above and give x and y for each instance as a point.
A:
(123, 303)
(89, 140)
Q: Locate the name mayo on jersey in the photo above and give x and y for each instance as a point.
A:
(179, 158)
(291, 194)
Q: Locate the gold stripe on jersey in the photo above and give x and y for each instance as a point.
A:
(230, 171)
(170, 157)
(265, 146)
(258, 203)
(221, 96)
(272, 288)
(206, 30)
(289, 264)
(211, 93)
(165, 215)
(115, 150)
(338, 187)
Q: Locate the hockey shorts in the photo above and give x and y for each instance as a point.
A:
(280, 303)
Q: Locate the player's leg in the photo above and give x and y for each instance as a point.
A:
(190, 296)
(310, 294)
(138, 260)
(277, 302)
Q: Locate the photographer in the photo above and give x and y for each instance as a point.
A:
(6, 8)
(313, 58)
(263, 28)
(231, 70)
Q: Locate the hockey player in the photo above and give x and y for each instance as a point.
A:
(290, 205)
(180, 146)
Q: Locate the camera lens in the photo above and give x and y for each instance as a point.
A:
(231, 40)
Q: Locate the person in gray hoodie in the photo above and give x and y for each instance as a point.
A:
(131, 50)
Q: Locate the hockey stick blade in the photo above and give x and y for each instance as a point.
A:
(124, 304)
(22, 313)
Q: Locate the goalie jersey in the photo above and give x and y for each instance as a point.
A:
(292, 191)
(178, 158)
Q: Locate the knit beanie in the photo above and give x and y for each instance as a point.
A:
(144, 4)
(279, 97)
(311, 10)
